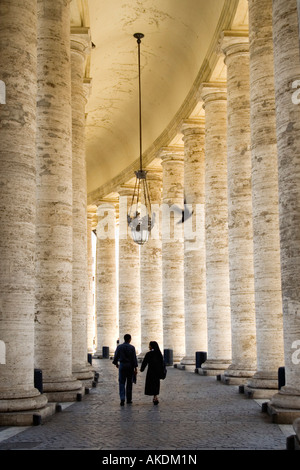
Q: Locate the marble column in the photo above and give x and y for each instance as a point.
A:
(17, 213)
(173, 251)
(80, 47)
(214, 98)
(240, 231)
(54, 241)
(195, 313)
(267, 278)
(285, 405)
(151, 271)
(129, 275)
(106, 279)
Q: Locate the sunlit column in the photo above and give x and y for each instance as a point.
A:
(151, 271)
(106, 278)
(214, 98)
(285, 404)
(269, 328)
(18, 211)
(173, 251)
(91, 324)
(129, 275)
(240, 229)
(193, 131)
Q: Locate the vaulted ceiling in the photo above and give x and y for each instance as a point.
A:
(178, 53)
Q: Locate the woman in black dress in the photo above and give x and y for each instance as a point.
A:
(154, 360)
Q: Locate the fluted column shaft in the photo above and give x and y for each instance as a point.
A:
(106, 278)
(80, 45)
(194, 240)
(287, 70)
(269, 329)
(53, 318)
(129, 276)
(151, 271)
(173, 252)
(240, 231)
(214, 98)
(18, 208)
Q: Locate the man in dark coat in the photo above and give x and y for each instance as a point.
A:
(125, 360)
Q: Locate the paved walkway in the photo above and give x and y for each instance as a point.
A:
(194, 413)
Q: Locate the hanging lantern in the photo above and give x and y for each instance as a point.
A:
(139, 216)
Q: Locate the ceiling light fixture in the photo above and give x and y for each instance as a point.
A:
(139, 218)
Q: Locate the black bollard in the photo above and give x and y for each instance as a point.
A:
(168, 357)
(201, 357)
(281, 377)
(38, 380)
(105, 352)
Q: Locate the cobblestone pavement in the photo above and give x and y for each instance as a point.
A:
(194, 412)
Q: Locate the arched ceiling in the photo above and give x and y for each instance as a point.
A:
(179, 43)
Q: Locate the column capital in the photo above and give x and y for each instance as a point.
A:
(80, 40)
(193, 126)
(213, 91)
(234, 42)
(172, 153)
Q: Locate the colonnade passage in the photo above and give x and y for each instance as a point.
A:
(225, 280)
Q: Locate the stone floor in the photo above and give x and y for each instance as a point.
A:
(194, 413)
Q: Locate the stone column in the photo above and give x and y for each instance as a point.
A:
(214, 98)
(53, 316)
(106, 279)
(269, 329)
(17, 213)
(240, 231)
(285, 405)
(193, 131)
(91, 323)
(151, 271)
(129, 275)
(80, 47)
(173, 251)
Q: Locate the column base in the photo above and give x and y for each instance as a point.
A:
(284, 407)
(27, 418)
(213, 367)
(85, 375)
(262, 385)
(237, 376)
(63, 391)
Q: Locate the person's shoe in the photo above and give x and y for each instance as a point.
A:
(122, 402)
(155, 402)
(129, 402)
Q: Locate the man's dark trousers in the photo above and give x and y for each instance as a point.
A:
(125, 381)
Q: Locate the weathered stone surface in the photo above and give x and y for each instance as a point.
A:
(269, 328)
(106, 281)
(129, 276)
(173, 251)
(54, 242)
(194, 240)
(151, 271)
(216, 230)
(240, 231)
(80, 46)
(287, 69)
(17, 208)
